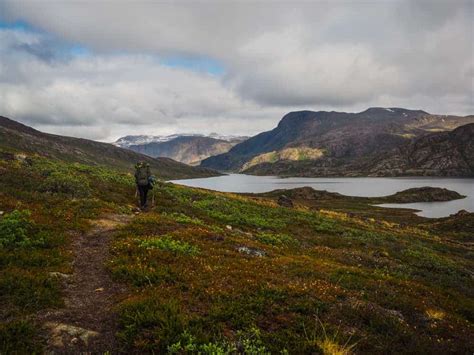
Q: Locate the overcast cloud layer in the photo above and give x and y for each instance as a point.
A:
(105, 69)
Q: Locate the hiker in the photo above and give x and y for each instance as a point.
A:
(143, 180)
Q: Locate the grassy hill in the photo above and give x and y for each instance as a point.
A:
(218, 273)
(19, 138)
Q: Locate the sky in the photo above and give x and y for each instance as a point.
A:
(104, 69)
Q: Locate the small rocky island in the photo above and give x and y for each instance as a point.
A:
(416, 194)
(362, 206)
(422, 194)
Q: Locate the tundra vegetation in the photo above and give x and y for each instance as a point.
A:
(221, 273)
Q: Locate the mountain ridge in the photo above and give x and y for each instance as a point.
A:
(346, 138)
(129, 140)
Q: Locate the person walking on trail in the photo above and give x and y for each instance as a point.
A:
(142, 179)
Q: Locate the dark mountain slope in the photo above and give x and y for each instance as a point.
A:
(17, 137)
(341, 138)
(443, 153)
(186, 149)
(433, 154)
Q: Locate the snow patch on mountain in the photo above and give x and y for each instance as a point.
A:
(128, 141)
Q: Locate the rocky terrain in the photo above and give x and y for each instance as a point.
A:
(432, 154)
(375, 142)
(15, 136)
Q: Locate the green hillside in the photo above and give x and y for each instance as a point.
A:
(218, 273)
(19, 138)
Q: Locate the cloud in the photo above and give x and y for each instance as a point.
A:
(271, 57)
(99, 96)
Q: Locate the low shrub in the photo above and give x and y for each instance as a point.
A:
(143, 274)
(28, 290)
(62, 183)
(249, 342)
(276, 239)
(168, 243)
(182, 218)
(16, 230)
(240, 213)
(152, 325)
(426, 259)
(19, 337)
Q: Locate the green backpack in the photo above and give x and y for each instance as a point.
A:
(142, 173)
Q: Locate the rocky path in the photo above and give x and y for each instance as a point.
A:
(87, 323)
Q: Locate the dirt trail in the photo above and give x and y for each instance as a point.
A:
(87, 323)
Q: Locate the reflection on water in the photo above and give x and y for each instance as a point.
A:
(369, 187)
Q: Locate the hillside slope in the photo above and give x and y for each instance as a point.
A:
(434, 154)
(186, 149)
(207, 272)
(17, 137)
(343, 137)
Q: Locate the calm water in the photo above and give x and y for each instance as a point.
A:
(368, 187)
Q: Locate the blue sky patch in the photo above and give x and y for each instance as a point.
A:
(199, 64)
(54, 48)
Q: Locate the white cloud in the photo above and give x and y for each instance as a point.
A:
(278, 56)
(103, 96)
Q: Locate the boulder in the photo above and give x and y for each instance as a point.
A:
(285, 201)
(251, 251)
(62, 334)
(462, 213)
(59, 275)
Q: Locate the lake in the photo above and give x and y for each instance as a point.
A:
(360, 186)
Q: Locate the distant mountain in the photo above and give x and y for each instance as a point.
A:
(308, 143)
(186, 149)
(443, 153)
(128, 141)
(435, 154)
(16, 137)
(189, 149)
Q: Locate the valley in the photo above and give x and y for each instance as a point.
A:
(236, 177)
(16, 138)
(333, 270)
(186, 148)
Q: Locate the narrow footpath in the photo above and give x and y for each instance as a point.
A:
(87, 323)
